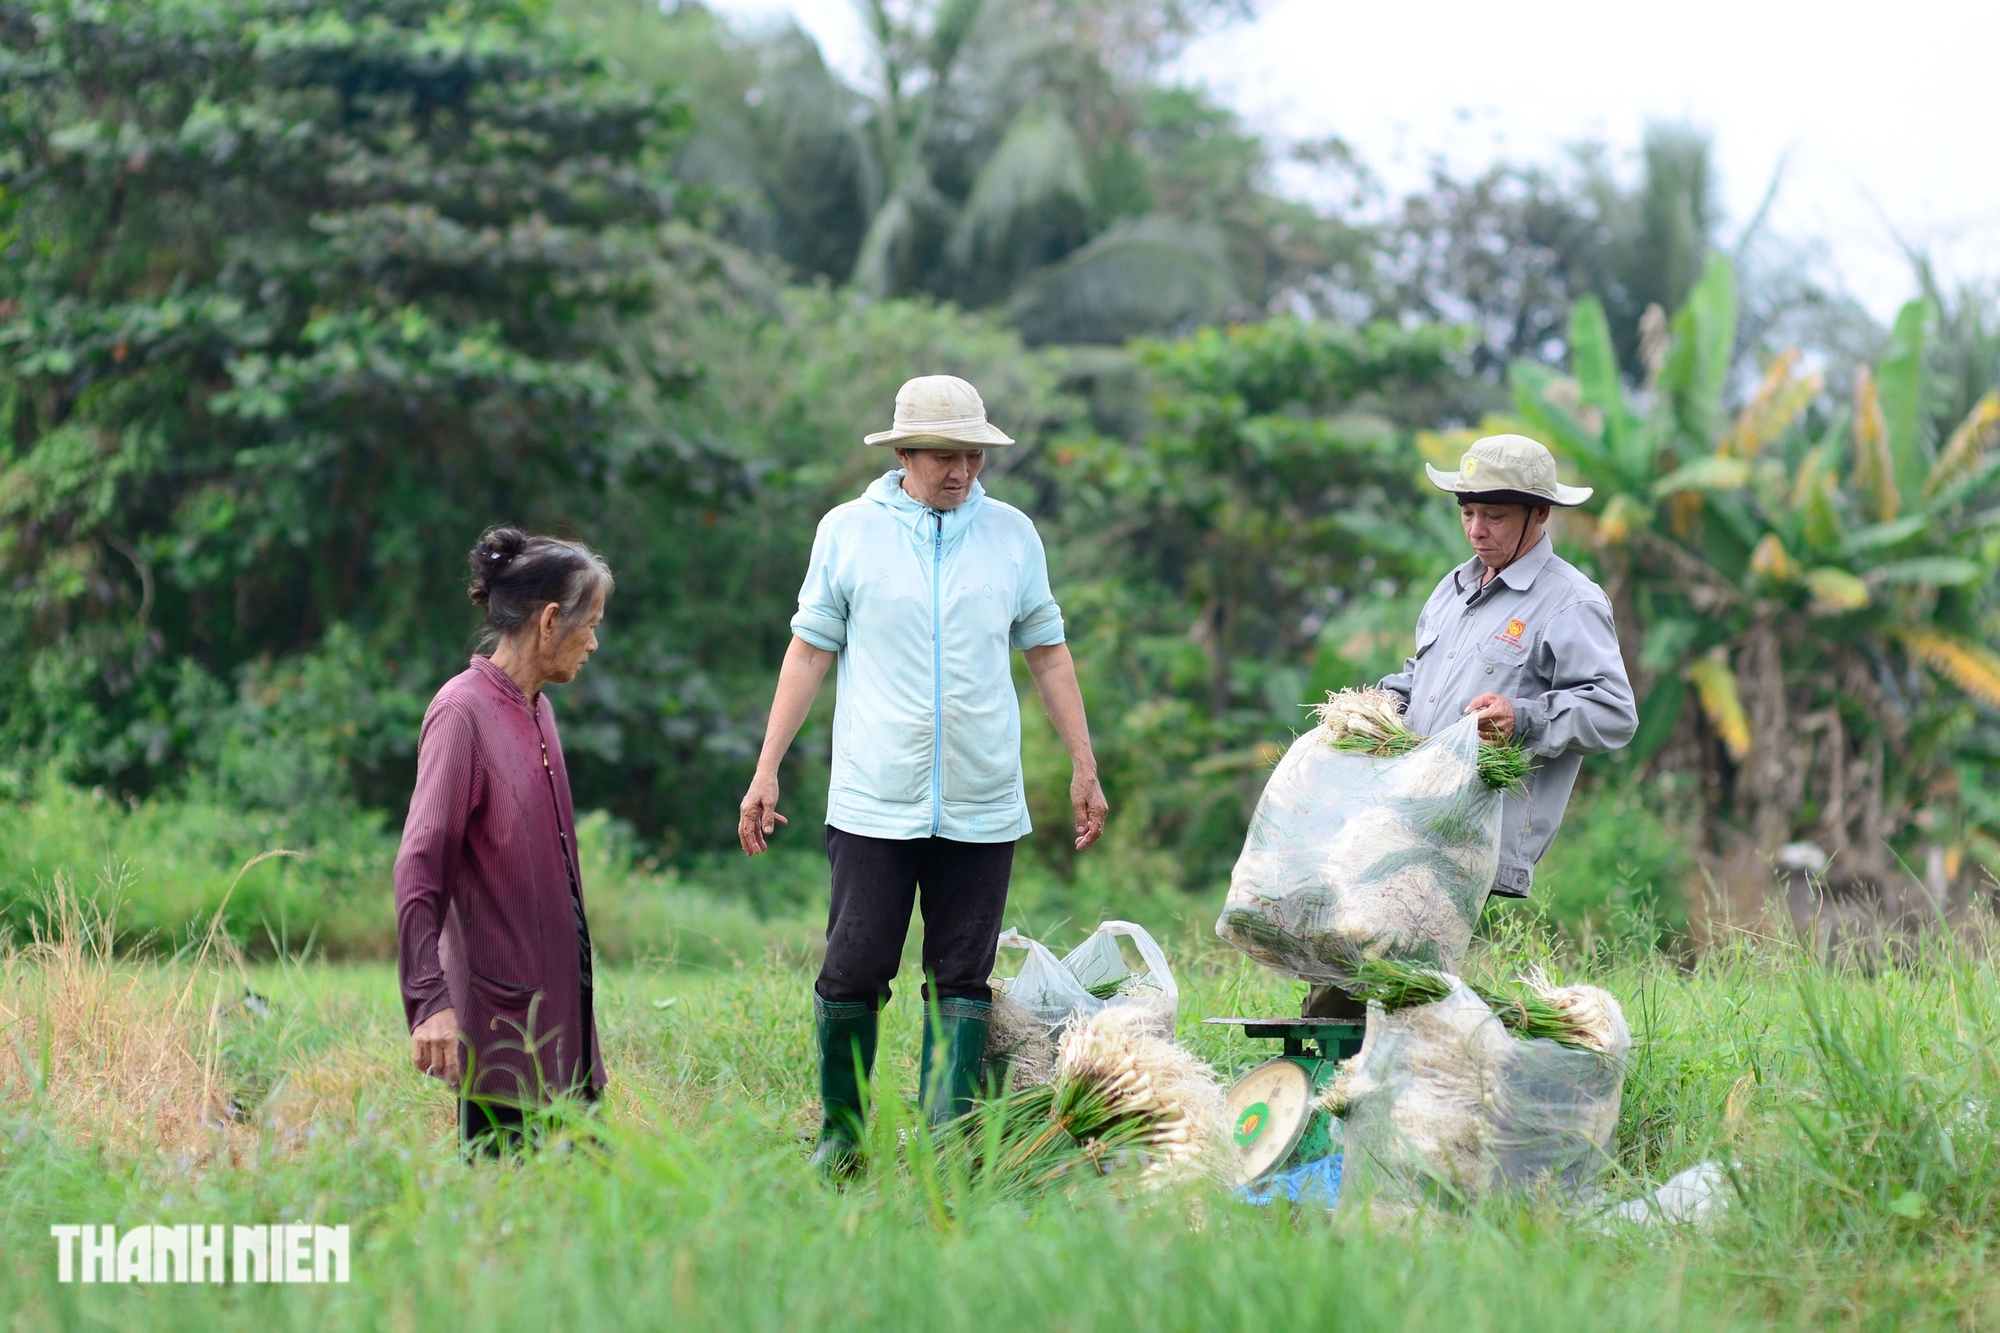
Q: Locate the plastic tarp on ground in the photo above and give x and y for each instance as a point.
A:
(1351, 857)
(1445, 1105)
(1315, 1184)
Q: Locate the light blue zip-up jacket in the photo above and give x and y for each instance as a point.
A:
(924, 607)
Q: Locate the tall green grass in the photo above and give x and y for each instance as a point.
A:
(167, 864)
(165, 869)
(1850, 1104)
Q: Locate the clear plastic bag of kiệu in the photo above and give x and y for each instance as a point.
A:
(1350, 857)
(1445, 1106)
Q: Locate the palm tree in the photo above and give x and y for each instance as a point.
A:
(1815, 581)
(998, 129)
(1017, 155)
(916, 58)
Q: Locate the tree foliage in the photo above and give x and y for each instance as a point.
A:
(298, 299)
(1271, 489)
(1017, 155)
(1510, 250)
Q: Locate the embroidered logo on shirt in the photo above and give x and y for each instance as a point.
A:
(1511, 636)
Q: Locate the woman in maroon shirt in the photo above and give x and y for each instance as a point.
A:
(494, 948)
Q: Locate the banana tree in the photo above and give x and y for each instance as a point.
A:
(1802, 586)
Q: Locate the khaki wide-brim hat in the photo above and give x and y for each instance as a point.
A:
(940, 412)
(1510, 463)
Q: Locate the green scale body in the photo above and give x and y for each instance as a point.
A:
(1274, 1120)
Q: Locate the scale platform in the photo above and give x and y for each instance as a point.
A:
(1274, 1116)
(1336, 1038)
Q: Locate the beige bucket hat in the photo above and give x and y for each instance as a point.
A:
(1514, 466)
(940, 412)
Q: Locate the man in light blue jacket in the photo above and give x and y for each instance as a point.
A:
(920, 589)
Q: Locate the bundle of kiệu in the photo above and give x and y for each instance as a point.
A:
(1020, 1048)
(1122, 1094)
(1396, 985)
(1588, 1012)
(1049, 995)
(1128, 985)
(1151, 1078)
(1371, 722)
(1035, 1136)
(1582, 1017)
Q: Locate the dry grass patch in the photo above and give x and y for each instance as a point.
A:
(120, 1052)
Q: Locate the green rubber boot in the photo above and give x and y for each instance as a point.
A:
(846, 1058)
(954, 1054)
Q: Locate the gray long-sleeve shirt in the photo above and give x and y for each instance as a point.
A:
(1541, 635)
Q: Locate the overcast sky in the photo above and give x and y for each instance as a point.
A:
(1885, 116)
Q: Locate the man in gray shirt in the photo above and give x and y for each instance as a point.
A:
(1520, 637)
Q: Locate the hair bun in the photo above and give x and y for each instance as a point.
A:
(490, 557)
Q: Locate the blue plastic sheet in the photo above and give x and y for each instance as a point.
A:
(1315, 1183)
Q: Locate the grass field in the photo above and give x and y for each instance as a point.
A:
(1856, 1105)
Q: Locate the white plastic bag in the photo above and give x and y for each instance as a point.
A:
(1350, 857)
(1043, 986)
(1035, 1005)
(1445, 1105)
(1097, 963)
(1692, 1198)
(1055, 990)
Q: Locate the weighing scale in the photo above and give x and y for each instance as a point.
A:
(1272, 1119)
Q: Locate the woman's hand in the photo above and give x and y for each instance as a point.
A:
(1055, 677)
(798, 684)
(1086, 797)
(434, 1046)
(758, 818)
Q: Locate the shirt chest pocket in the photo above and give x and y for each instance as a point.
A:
(1503, 657)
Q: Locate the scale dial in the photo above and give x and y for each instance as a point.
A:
(1268, 1110)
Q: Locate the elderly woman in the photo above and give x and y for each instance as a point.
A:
(494, 947)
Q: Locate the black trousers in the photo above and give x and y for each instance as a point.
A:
(490, 1129)
(496, 1129)
(963, 888)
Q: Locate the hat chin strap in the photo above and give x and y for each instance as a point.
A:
(1528, 502)
(1526, 520)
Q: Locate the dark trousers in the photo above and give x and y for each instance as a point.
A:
(963, 888)
(489, 1129)
(496, 1129)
